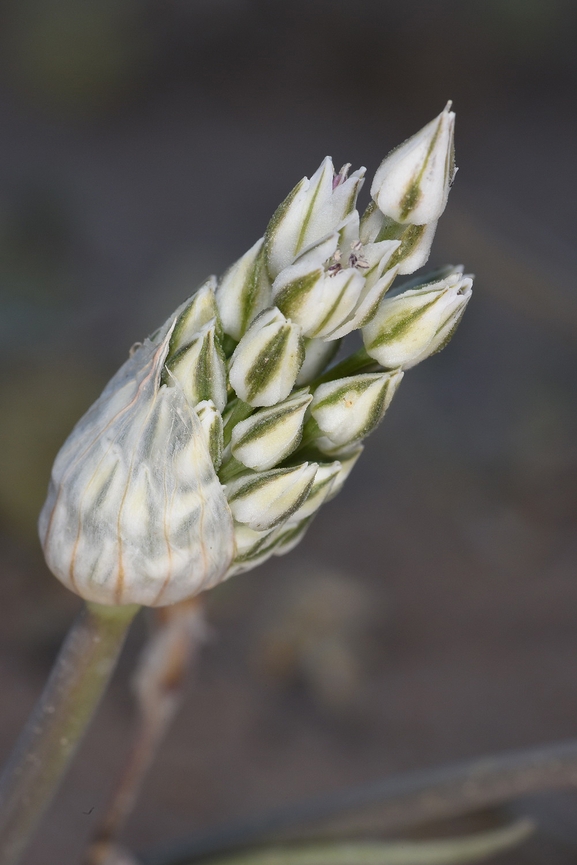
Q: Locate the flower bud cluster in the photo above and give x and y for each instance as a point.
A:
(219, 440)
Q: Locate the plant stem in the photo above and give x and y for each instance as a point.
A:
(390, 805)
(54, 729)
(351, 365)
(466, 848)
(159, 684)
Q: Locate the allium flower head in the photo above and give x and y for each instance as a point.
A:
(218, 441)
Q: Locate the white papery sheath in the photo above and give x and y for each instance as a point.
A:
(135, 511)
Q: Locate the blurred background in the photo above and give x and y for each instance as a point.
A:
(431, 612)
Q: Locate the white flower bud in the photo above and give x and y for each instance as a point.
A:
(269, 435)
(244, 291)
(412, 183)
(263, 500)
(211, 421)
(417, 323)
(249, 543)
(254, 548)
(320, 490)
(200, 368)
(318, 355)
(198, 311)
(348, 409)
(347, 462)
(135, 512)
(314, 208)
(289, 536)
(267, 360)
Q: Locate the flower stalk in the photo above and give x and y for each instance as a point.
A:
(53, 731)
(158, 683)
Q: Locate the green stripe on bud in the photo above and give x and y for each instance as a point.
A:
(248, 542)
(412, 183)
(289, 536)
(417, 323)
(211, 421)
(244, 291)
(414, 241)
(348, 409)
(267, 360)
(347, 462)
(262, 500)
(198, 311)
(321, 489)
(269, 435)
(200, 369)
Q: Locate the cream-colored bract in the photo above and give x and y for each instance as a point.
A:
(135, 511)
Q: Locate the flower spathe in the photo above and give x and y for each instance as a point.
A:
(135, 511)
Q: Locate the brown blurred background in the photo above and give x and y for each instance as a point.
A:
(431, 612)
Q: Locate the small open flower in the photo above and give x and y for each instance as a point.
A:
(319, 300)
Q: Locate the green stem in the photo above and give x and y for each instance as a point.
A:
(357, 362)
(53, 731)
(438, 851)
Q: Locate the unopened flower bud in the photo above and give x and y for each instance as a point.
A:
(262, 500)
(200, 368)
(244, 291)
(193, 315)
(314, 208)
(269, 435)
(288, 536)
(347, 462)
(135, 511)
(211, 422)
(254, 547)
(267, 360)
(348, 409)
(417, 323)
(320, 490)
(412, 183)
(249, 544)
